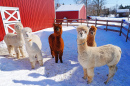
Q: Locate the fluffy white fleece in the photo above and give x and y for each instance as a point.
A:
(35, 38)
(32, 47)
(15, 41)
(90, 57)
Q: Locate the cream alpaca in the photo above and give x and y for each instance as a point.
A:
(91, 57)
(15, 41)
(35, 38)
(32, 49)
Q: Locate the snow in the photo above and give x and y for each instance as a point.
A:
(70, 72)
(122, 10)
(74, 7)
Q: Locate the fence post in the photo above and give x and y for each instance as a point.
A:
(67, 22)
(54, 20)
(87, 21)
(81, 21)
(106, 25)
(127, 32)
(121, 28)
(96, 22)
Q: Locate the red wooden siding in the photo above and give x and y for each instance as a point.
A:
(67, 14)
(36, 14)
(82, 13)
(2, 31)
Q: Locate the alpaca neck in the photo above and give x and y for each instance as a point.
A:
(29, 43)
(82, 44)
(58, 38)
(20, 36)
(91, 39)
(58, 42)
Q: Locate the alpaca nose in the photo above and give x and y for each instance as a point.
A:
(27, 35)
(57, 29)
(81, 34)
(91, 32)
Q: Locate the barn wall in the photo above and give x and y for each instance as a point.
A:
(67, 14)
(82, 13)
(37, 14)
(2, 31)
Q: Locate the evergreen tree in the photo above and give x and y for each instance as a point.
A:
(121, 7)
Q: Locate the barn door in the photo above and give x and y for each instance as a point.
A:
(10, 16)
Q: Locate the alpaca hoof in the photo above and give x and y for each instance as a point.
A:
(56, 62)
(84, 78)
(61, 61)
(52, 56)
(32, 67)
(18, 58)
(88, 82)
(105, 82)
(41, 64)
(23, 56)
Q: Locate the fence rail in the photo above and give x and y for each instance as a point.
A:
(76, 22)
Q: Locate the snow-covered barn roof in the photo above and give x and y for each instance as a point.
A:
(74, 7)
(122, 10)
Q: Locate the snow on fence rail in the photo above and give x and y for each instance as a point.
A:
(97, 22)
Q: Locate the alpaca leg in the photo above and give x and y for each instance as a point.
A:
(41, 62)
(85, 73)
(90, 73)
(17, 52)
(60, 56)
(112, 70)
(39, 58)
(33, 64)
(9, 50)
(22, 51)
(56, 57)
(12, 51)
(52, 52)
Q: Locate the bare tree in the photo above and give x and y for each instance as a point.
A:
(99, 5)
(57, 4)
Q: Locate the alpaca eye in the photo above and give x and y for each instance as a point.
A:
(85, 31)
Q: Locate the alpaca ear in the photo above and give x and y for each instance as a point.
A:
(61, 23)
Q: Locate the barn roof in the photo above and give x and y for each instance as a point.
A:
(122, 10)
(74, 7)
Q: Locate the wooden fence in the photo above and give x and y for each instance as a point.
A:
(76, 22)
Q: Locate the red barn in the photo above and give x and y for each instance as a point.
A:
(76, 11)
(36, 14)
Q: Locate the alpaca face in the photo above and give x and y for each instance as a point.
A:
(27, 33)
(82, 34)
(18, 27)
(58, 29)
(92, 31)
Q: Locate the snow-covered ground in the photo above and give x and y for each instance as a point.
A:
(69, 73)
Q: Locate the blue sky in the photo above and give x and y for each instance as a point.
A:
(109, 3)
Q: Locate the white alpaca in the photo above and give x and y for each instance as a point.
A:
(33, 49)
(35, 38)
(91, 57)
(15, 41)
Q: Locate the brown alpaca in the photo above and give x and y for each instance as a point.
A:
(56, 43)
(91, 37)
